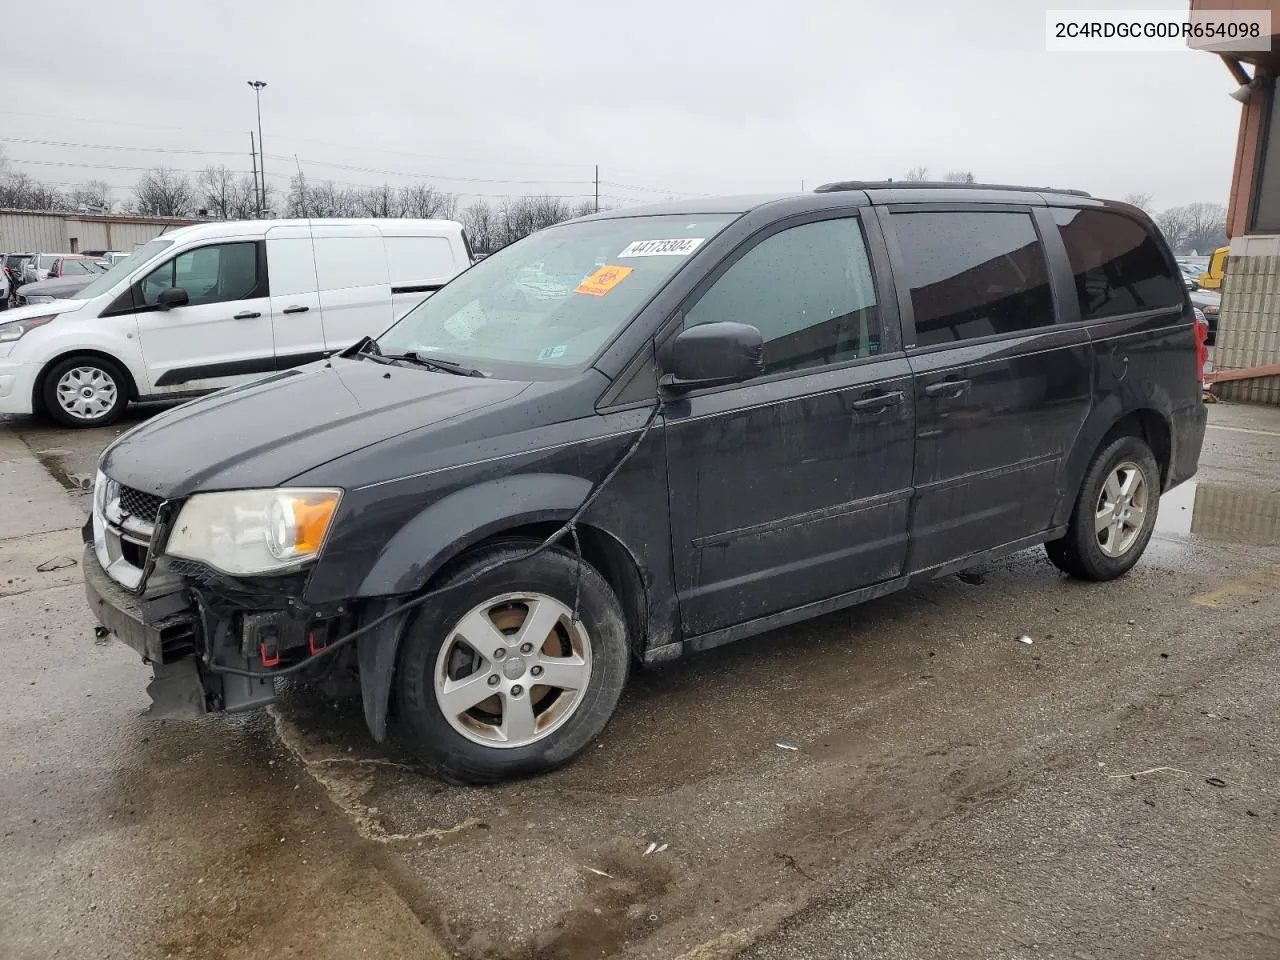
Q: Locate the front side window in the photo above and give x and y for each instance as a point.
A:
(553, 299)
(973, 274)
(807, 289)
(215, 274)
(1118, 265)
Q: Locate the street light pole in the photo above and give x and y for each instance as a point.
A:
(258, 86)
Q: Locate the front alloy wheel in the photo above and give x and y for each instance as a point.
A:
(513, 670)
(496, 678)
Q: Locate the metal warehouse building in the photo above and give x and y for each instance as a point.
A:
(38, 231)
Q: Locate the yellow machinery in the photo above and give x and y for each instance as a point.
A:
(1211, 279)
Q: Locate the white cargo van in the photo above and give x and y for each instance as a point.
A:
(212, 305)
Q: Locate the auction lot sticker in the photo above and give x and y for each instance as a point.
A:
(603, 280)
(662, 248)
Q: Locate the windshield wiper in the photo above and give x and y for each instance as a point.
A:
(435, 363)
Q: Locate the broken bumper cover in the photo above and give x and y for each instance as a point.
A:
(161, 640)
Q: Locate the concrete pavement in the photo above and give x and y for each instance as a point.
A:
(955, 793)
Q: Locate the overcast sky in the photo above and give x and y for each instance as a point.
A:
(695, 96)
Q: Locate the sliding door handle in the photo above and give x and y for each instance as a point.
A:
(947, 389)
(295, 309)
(877, 402)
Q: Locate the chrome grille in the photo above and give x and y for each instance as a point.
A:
(139, 505)
(124, 523)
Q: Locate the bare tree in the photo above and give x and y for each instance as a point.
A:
(93, 195)
(916, 175)
(1140, 200)
(164, 192)
(380, 201)
(958, 176)
(217, 186)
(1206, 226)
(310, 199)
(1174, 225)
(425, 201)
(18, 191)
(478, 220)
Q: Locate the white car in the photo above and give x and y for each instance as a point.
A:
(6, 289)
(216, 304)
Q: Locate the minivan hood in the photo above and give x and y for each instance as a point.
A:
(262, 434)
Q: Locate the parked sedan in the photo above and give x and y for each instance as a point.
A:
(57, 288)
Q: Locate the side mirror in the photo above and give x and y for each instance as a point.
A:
(711, 354)
(173, 297)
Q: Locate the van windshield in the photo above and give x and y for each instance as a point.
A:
(557, 296)
(121, 268)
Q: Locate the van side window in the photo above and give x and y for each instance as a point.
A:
(215, 274)
(973, 274)
(808, 290)
(1118, 266)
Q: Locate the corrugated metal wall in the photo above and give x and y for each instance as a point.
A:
(1249, 323)
(45, 233)
(30, 233)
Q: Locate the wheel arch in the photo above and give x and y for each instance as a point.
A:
(1149, 423)
(428, 548)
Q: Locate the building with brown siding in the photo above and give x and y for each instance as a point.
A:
(1249, 318)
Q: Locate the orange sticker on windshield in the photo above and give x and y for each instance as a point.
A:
(603, 280)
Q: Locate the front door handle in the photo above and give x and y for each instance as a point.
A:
(947, 389)
(877, 402)
(247, 315)
(295, 309)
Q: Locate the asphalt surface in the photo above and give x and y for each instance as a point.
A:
(1109, 790)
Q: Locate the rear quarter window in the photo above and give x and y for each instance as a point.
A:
(1117, 264)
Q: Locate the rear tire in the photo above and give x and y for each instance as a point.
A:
(1114, 513)
(468, 692)
(85, 391)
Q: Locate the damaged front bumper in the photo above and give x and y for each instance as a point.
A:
(186, 630)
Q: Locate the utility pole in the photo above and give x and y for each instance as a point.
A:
(597, 188)
(257, 197)
(258, 86)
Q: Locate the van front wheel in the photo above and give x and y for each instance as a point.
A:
(498, 678)
(85, 392)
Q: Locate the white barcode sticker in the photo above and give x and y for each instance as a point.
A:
(662, 248)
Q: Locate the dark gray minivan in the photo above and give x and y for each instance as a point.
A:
(649, 432)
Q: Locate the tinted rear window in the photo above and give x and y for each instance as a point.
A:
(973, 274)
(1118, 265)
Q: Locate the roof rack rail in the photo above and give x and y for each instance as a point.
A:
(840, 185)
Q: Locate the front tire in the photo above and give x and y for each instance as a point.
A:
(85, 391)
(1114, 514)
(497, 680)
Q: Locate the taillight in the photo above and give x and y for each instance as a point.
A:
(1202, 347)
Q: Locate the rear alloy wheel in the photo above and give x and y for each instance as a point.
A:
(498, 679)
(85, 392)
(1114, 514)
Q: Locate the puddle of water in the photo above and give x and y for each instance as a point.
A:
(52, 461)
(1217, 511)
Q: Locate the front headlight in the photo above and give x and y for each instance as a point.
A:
(17, 329)
(39, 299)
(244, 532)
